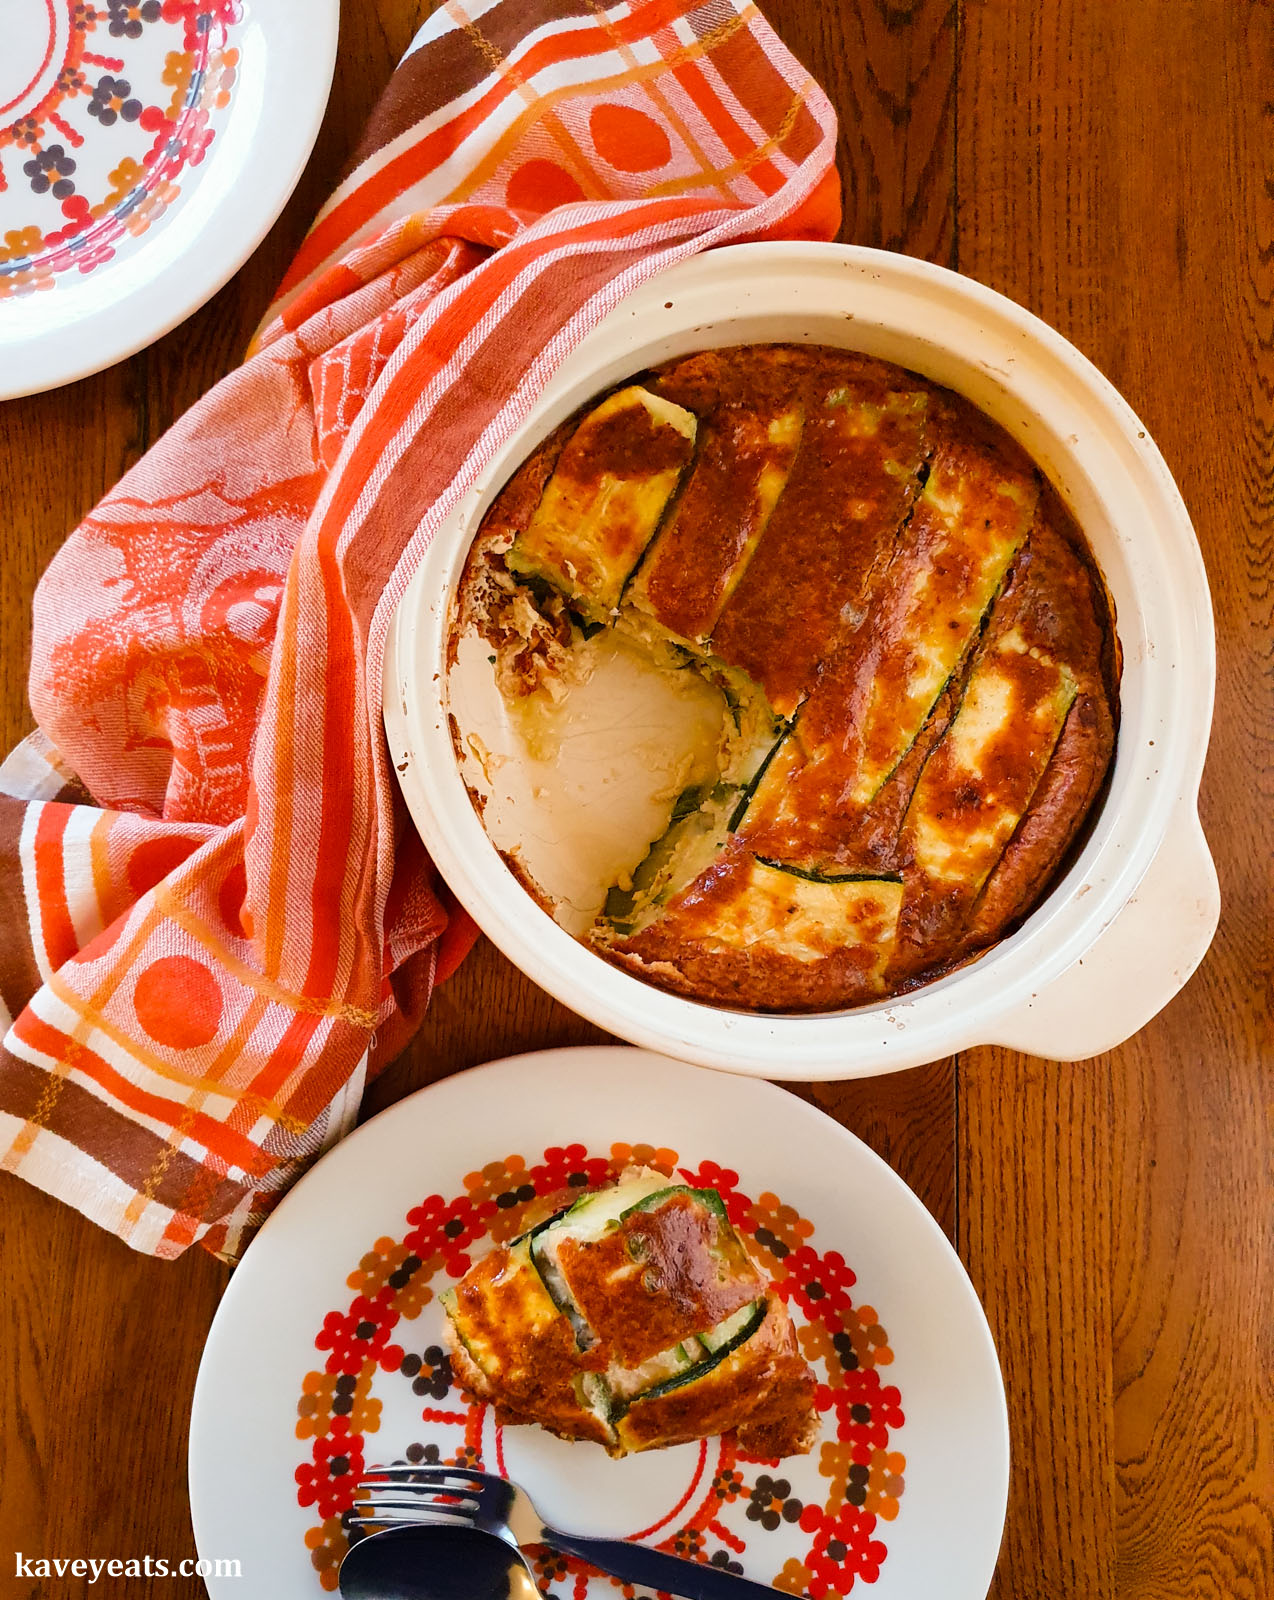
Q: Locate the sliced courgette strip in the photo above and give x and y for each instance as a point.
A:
(589, 1218)
(594, 1394)
(766, 798)
(801, 913)
(774, 768)
(849, 491)
(702, 820)
(878, 689)
(539, 1227)
(555, 1283)
(965, 536)
(626, 1384)
(503, 1315)
(673, 1369)
(979, 779)
(742, 1326)
(709, 1198)
(605, 499)
(693, 567)
(733, 1331)
(673, 862)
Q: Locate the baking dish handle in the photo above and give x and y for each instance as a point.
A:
(1140, 961)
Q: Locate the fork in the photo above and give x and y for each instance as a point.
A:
(409, 1495)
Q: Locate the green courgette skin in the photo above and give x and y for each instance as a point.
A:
(565, 1304)
(701, 1368)
(815, 875)
(749, 792)
(708, 1198)
(539, 1227)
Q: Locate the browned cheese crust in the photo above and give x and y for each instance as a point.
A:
(915, 600)
(655, 1280)
(674, 953)
(542, 1362)
(1060, 598)
(838, 513)
(765, 1385)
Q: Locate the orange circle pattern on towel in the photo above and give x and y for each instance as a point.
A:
(178, 1002)
(537, 186)
(629, 139)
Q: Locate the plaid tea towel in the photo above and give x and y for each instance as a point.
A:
(217, 917)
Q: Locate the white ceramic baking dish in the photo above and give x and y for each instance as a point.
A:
(1125, 927)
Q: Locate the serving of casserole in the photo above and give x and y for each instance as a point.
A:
(636, 1318)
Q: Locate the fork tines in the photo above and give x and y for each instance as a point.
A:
(441, 1499)
(404, 1492)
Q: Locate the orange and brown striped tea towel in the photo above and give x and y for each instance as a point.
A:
(216, 918)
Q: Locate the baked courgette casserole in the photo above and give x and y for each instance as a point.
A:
(878, 656)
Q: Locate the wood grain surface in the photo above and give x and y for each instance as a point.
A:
(1112, 168)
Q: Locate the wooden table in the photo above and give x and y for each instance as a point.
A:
(1112, 168)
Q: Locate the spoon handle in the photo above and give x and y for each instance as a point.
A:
(637, 1563)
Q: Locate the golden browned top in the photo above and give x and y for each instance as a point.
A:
(765, 1378)
(517, 1346)
(658, 1278)
(850, 484)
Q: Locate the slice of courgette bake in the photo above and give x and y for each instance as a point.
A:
(635, 1318)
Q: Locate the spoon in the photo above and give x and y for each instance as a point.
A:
(435, 1563)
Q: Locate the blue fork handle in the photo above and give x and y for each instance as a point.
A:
(637, 1563)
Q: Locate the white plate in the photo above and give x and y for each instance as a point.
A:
(925, 1404)
(146, 149)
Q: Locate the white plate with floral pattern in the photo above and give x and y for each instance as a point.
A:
(327, 1354)
(146, 146)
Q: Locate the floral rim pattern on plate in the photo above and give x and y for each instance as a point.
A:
(827, 1506)
(92, 148)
